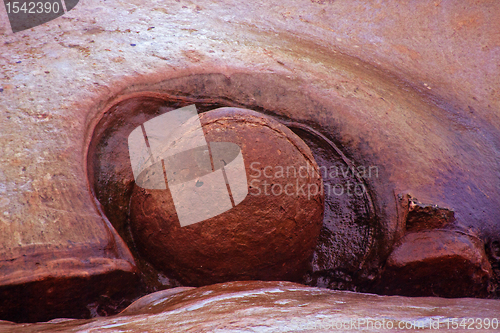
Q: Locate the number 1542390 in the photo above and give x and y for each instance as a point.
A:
(32, 7)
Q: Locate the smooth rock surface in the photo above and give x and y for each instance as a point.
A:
(280, 307)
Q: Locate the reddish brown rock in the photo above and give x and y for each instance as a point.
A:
(281, 307)
(437, 263)
(270, 235)
(418, 216)
(424, 109)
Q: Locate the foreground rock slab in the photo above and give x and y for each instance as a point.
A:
(278, 307)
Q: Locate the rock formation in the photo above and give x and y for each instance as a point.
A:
(411, 90)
